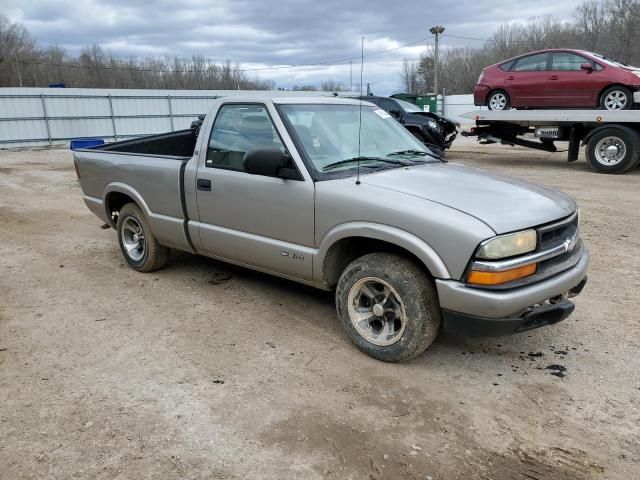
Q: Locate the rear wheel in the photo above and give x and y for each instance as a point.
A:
(388, 306)
(616, 98)
(139, 247)
(613, 150)
(498, 100)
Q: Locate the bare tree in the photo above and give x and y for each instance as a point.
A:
(332, 86)
(409, 76)
(23, 63)
(305, 88)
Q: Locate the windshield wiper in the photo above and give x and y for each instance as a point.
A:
(418, 152)
(363, 159)
(409, 152)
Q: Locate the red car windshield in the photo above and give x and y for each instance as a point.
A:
(608, 60)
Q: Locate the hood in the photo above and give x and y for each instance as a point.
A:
(503, 203)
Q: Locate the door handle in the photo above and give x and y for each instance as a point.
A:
(511, 77)
(554, 77)
(204, 185)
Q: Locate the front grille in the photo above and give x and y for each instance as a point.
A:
(560, 263)
(555, 234)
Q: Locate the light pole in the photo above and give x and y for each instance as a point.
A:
(437, 31)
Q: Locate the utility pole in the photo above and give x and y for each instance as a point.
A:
(437, 31)
(350, 75)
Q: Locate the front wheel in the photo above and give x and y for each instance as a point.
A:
(139, 246)
(388, 306)
(499, 100)
(616, 98)
(613, 150)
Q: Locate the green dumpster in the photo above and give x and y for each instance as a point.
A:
(428, 102)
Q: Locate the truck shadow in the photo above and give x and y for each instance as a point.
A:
(294, 303)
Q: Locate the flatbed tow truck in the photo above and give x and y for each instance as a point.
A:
(612, 138)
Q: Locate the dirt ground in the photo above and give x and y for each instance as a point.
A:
(203, 370)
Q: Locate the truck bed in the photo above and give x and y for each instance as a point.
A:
(180, 143)
(148, 171)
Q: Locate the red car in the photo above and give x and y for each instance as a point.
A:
(558, 78)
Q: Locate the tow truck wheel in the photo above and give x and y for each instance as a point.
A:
(139, 247)
(498, 100)
(389, 306)
(613, 150)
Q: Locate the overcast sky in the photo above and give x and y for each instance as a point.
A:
(261, 33)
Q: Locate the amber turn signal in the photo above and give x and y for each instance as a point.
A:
(496, 278)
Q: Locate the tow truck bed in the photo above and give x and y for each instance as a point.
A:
(612, 138)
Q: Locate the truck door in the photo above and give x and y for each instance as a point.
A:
(255, 220)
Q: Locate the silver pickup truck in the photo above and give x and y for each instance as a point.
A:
(336, 194)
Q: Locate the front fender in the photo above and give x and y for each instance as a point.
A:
(401, 238)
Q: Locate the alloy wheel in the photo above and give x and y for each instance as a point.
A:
(376, 311)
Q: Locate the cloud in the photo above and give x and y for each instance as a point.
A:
(258, 33)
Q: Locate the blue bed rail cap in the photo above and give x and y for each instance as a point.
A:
(78, 143)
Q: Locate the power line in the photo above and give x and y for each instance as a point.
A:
(489, 40)
(467, 38)
(277, 67)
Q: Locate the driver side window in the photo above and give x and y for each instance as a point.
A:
(236, 130)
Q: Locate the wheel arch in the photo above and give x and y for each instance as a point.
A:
(346, 242)
(613, 84)
(116, 195)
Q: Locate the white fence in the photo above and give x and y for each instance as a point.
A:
(455, 105)
(52, 116)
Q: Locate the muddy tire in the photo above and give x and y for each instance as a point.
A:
(389, 306)
(139, 247)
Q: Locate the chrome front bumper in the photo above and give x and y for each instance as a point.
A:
(455, 296)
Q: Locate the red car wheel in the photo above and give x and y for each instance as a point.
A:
(498, 100)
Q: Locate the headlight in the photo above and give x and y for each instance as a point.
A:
(636, 73)
(434, 125)
(508, 245)
(480, 77)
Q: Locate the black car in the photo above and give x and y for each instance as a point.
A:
(430, 128)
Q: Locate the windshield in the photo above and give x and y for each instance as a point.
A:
(329, 134)
(608, 60)
(409, 107)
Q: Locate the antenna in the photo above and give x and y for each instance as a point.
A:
(360, 112)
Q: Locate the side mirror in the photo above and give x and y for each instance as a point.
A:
(270, 162)
(395, 112)
(586, 66)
